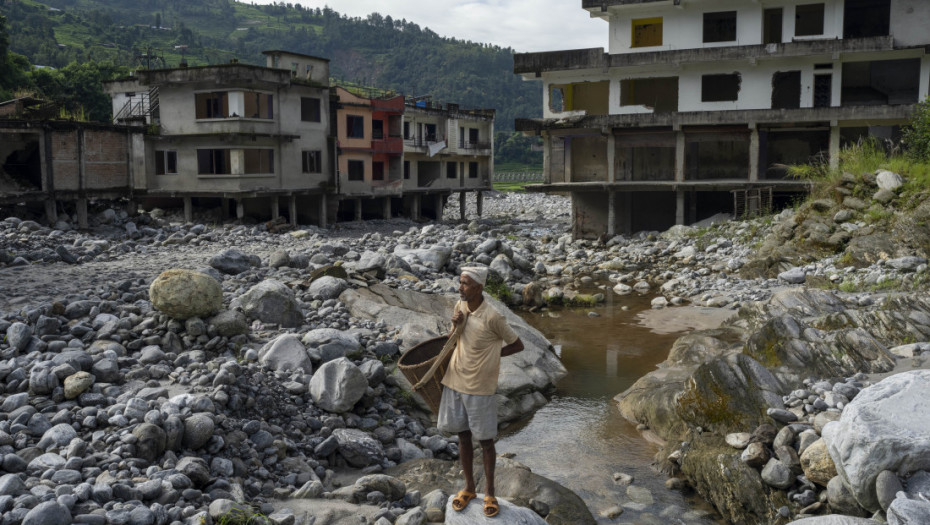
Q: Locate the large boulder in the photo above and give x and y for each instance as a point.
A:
(338, 385)
(509, 513)
(271, 301)
(434, 257)
(182, 294)
(358, 448)
(886, 427)
(332, 343)
(513, 482)
(327, 287)
(232, 261)
(286, 352)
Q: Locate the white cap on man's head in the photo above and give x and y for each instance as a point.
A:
(479, 274)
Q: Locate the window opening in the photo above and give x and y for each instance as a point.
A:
(258, 105)
(166, 162)
(356, 170)
(647, 32)
(212, 105)
(472, 170)
(310, 109)
(808, 20)
(771, 25)
(258, 161)
(720, 88)
(377, 129)
(312, 162)
(355, 126)
(720, 26)
(823, 91)
(450, 170)
(786, 90)
(213, 161)
(377, 171)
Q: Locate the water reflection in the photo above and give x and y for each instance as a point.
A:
(579, 438)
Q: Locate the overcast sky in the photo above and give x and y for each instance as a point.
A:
(524, 25)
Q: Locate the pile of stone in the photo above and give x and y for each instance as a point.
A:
(848, 449)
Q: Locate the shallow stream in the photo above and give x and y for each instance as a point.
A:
(579, 439)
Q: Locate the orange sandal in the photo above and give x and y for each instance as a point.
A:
(460, 501)
(491, 508)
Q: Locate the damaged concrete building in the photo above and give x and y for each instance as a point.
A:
(699, 106)
(447, 150)
(247, 139)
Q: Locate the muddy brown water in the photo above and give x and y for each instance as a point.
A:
(579, 439)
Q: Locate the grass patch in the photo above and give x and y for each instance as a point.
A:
(500, 291)
(511, 186)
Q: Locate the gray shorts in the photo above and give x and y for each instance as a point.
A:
(460, 412)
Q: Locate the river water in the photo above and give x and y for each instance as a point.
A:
(579, 439)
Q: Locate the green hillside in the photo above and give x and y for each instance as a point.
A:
(377, 51)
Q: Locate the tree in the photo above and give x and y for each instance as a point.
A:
(916, 135)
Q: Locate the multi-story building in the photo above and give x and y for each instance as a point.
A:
(239, 136)
(697, 102)
(370, 152)
(447, 150)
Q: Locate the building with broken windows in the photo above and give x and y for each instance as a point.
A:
(699, 106)
(249, 139)
(447, 150)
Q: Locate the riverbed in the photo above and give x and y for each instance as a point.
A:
(579, 439)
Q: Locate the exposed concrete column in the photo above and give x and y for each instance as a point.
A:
(923, 91)
(462, 206)
(611, 213)
(479, 203)
(322, 210)
(292, 210)
(834, 144)
(275, 208)
(387, 207)
(440, 204)
(240, 209)
(415, 207)
(358, 209)
(567, 155)
(680, 156)
(51, 211)
(611, 157)
(81, 208)
(679, 207)
(753, 153)
(188, 209)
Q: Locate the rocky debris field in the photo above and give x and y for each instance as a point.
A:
(156, 372)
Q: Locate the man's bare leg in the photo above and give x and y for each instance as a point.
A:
(489, 456)
(467, 456)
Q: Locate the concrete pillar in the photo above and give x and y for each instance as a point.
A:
(679, 206)
(81, 207)
(358, 210)
(322, 210)
(568, 159)
(834, 145)
(292, 209)
(611, 213)
(275, 208)
(240, 209)
(188, 209)
(680, 156)
(415, 207)
(923, 89)
(387, 208)
(753, 154)
(440, 204)
(51, 211)
(611, 158)
(479, 203)
(462, 206)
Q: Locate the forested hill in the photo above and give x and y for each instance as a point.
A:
(376, 51)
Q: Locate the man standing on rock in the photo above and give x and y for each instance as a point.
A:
(468, 406)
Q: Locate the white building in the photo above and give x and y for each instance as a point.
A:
(698, 105)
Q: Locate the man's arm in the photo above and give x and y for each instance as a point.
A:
(512, 348)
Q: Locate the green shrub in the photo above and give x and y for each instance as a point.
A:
(916, 135)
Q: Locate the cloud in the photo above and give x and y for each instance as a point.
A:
(524, 25)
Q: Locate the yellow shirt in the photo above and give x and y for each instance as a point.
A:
(476, 361)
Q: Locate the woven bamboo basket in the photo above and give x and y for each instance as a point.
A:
(414, 364)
